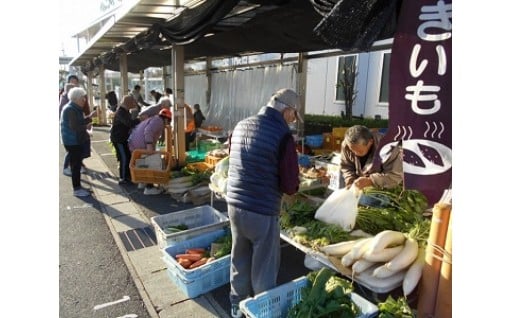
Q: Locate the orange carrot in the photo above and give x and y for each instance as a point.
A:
(197, 250)
(210, 259)
(184, 262)
(200, 262)
(191, 257)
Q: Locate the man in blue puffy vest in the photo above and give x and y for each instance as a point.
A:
(263, 165)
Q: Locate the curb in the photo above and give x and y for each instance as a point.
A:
(131, 269)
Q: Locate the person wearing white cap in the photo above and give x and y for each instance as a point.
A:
(263, 164)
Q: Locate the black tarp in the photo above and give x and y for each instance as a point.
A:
(288, 26)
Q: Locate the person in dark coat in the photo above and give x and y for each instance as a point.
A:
(112, 100)
(198, 116)
(119, 133)
(263, 164)
(73, 130)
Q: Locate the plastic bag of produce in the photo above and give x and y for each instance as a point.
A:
(340, 208)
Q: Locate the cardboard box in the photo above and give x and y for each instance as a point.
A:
(339, 132)
(336, 180)
(328, 141)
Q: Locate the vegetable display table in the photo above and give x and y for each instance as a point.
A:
(363, 280)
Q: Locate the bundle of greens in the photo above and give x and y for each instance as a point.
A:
(312, 233)
(326, 295)
(224, 243)
(392, 308)
(403, 213)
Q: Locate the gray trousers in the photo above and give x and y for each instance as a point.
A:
(255, 254)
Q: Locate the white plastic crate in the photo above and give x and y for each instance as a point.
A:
(202, 279)
(199, 218)
(276, 302)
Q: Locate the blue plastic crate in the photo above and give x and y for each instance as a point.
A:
(304, 160)
(200, 280)
(314, 141)
(201, 217)
(276, 302)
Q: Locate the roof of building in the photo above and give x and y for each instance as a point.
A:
(146, 30)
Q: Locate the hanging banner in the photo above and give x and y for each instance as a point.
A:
(420, 96)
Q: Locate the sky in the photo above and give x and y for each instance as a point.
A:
(74, 16)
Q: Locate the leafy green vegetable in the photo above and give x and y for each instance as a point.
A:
(318, 233)
(326, 295)
(175, 228)
(403, 213)
(197, 174)
(392, 308)
(225, 248)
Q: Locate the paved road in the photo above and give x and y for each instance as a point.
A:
(93, 278)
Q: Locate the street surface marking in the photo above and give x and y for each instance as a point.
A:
(83, 206)
(125, 298)
(100, 140)
(129, 316)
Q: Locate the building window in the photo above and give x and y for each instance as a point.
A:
(347, 60)
(384, 80)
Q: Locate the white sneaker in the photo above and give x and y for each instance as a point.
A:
(141, 186)
(67, 171)
(152, 191)
(81, 193)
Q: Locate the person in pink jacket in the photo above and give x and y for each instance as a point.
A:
(145, 136)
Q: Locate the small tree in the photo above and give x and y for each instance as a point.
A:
(347, 82)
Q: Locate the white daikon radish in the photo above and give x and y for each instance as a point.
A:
(299, 230)
(385, 239)
(361, 265)
(360, 233)
(383, 272)
(348, 259)
(413, 273)
(384, 255)
(338, 249)
(380, 283)
(360, 247)
(406, 256)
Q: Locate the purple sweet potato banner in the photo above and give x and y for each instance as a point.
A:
(420, 97)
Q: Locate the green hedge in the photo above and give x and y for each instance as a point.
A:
(317, 124)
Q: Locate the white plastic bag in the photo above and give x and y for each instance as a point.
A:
(340, 208)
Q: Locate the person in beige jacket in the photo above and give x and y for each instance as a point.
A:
(358, 150)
